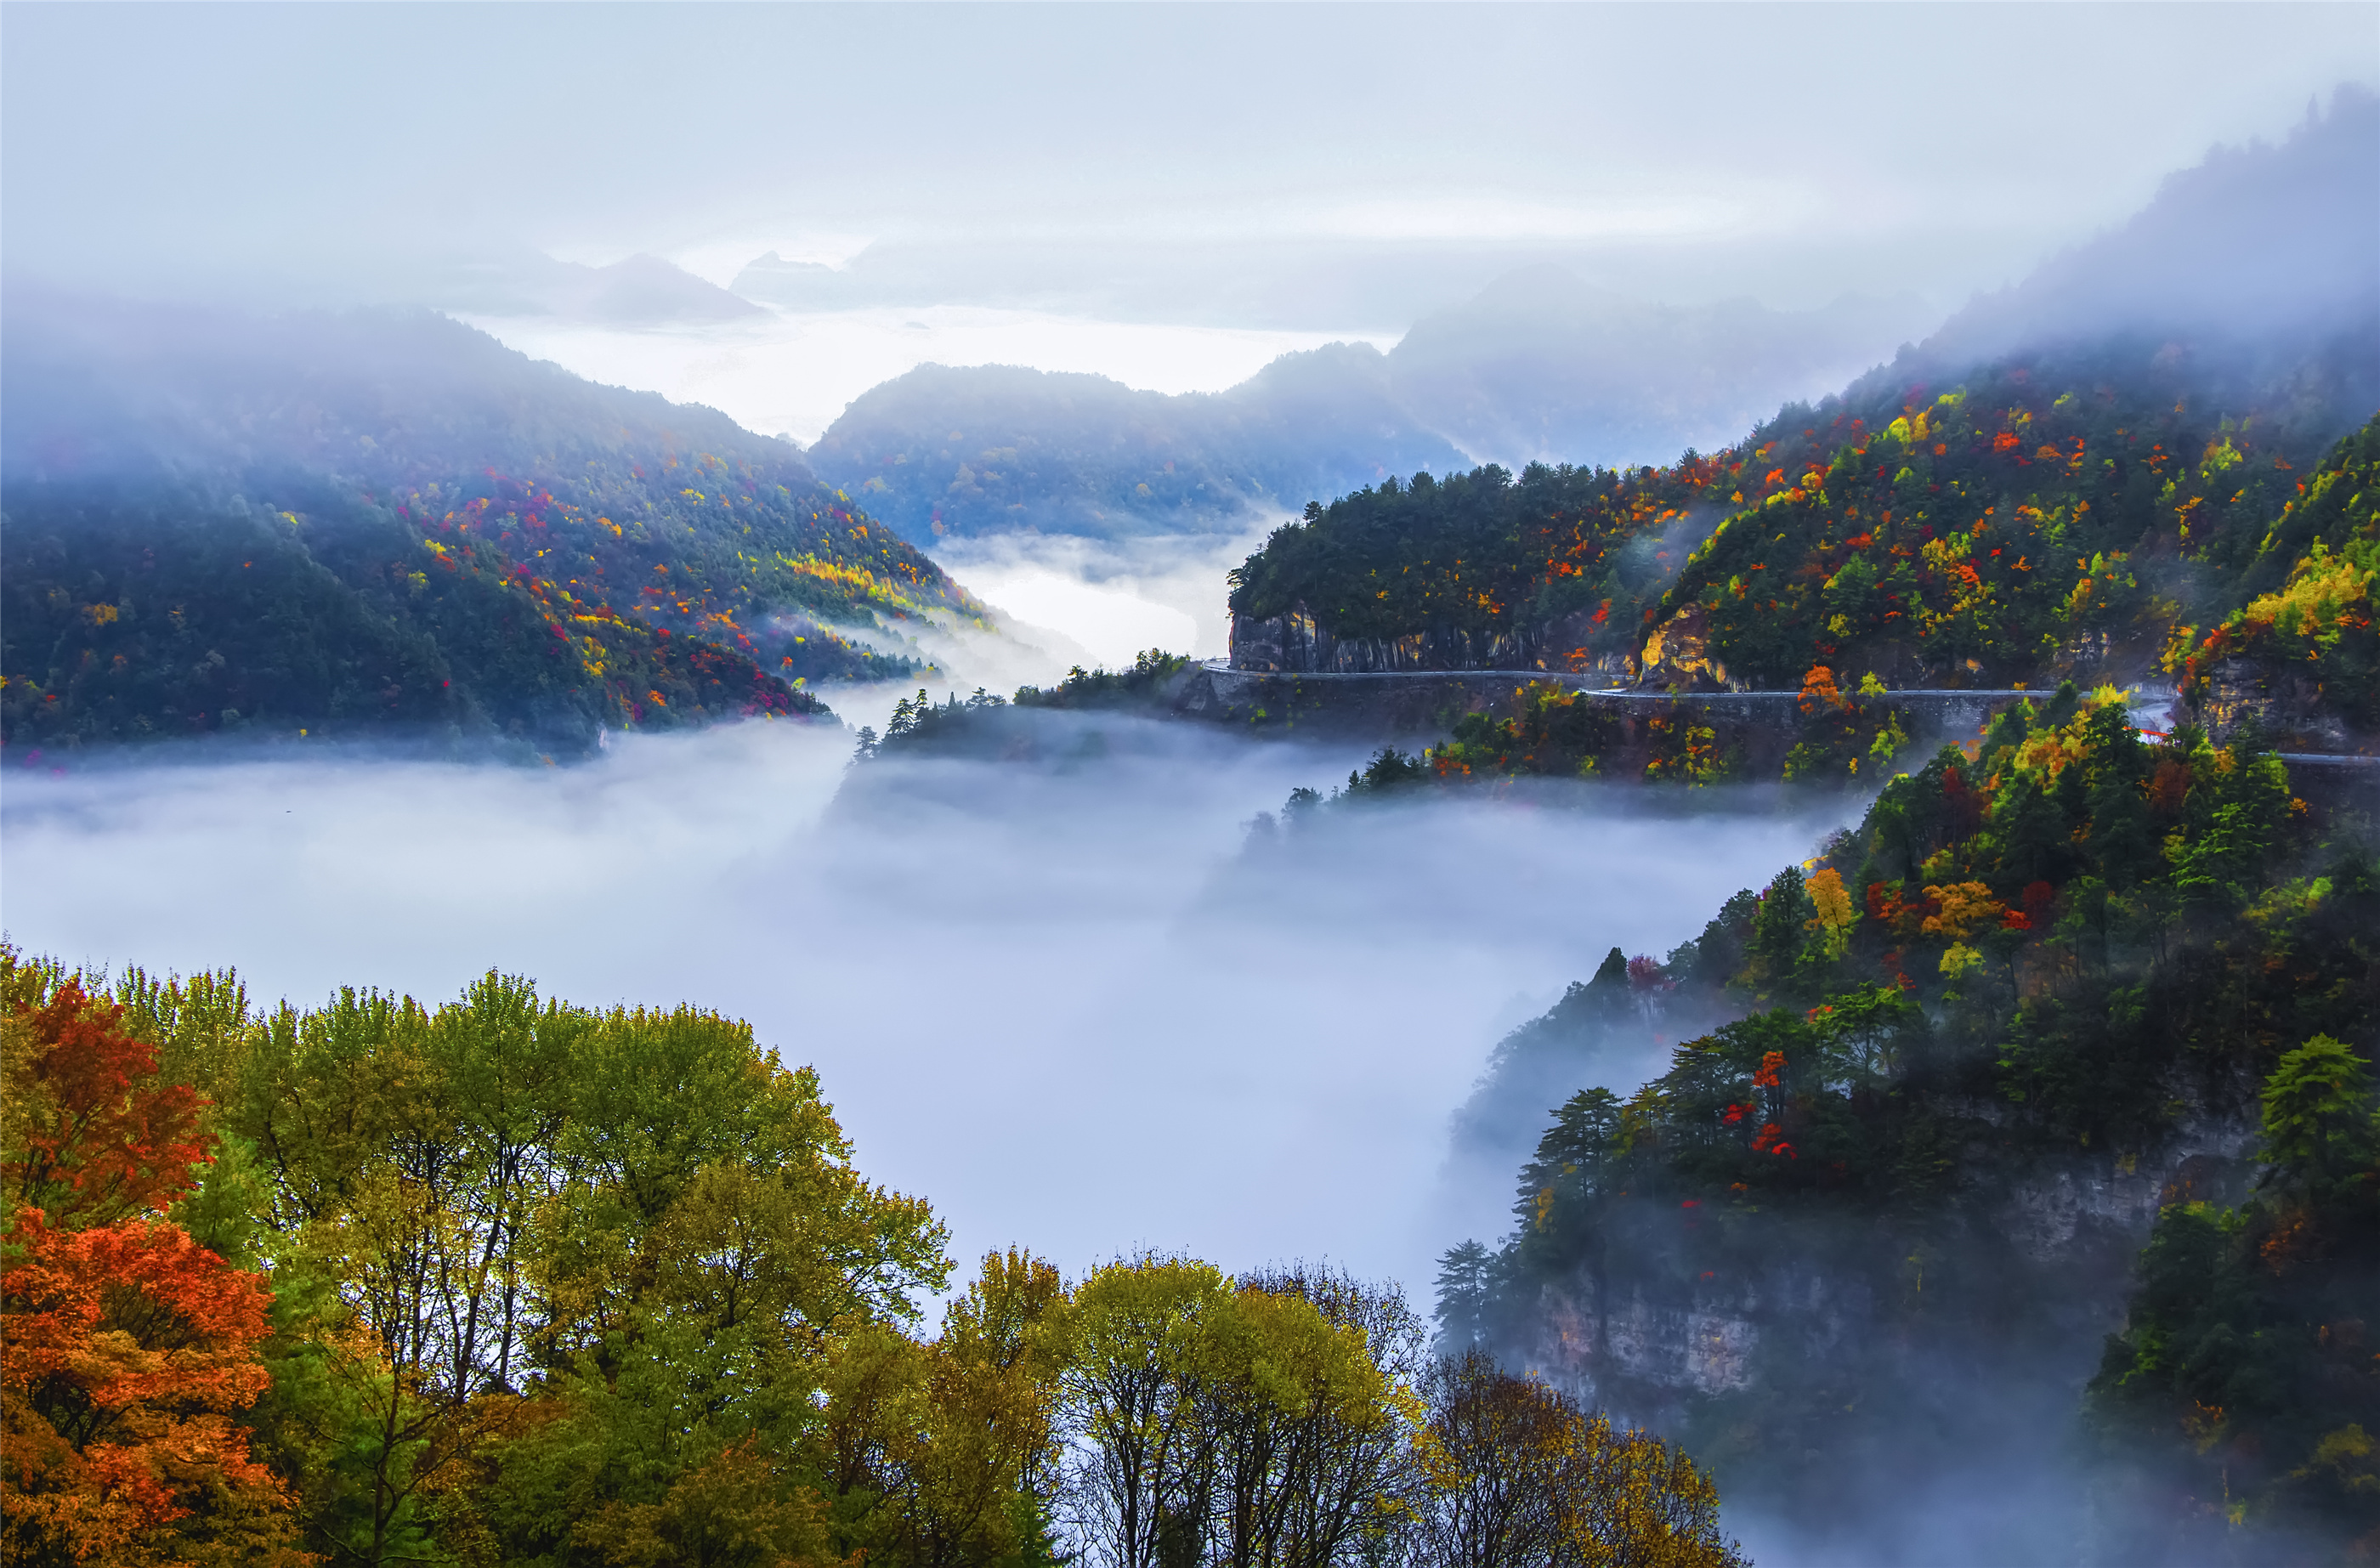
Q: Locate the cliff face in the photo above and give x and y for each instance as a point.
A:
(2286, 703)
(1630, 1326)
(1815, 1362)
(1295, 643)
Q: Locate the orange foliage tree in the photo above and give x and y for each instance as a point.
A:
(130, 1350)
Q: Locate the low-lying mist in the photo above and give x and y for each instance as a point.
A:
(1107, 597)
(1056, 999)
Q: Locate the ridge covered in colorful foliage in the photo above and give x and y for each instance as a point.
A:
(2039, 516)
(391, 525)
(2118, 467)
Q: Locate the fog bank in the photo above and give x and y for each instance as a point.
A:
(1055, 1001)
(1112, 598)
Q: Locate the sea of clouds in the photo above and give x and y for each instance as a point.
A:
(1058, 998)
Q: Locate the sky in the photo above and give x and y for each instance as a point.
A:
(1791, 152)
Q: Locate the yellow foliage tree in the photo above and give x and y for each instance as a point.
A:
(1835, 914)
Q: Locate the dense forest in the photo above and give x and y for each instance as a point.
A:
(1553, 563)
(2038, 518)
(390, 525)
(510, 1280)
(2062, 992)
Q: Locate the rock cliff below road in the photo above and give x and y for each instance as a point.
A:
(1296, 643)
(2286, 703)
(1632, 1327)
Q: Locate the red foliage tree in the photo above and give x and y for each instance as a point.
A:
(103, 1140)
(129, 1349)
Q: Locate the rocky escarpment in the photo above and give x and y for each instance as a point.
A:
(1297, 643)
(2032, 1273)
(2288, 705)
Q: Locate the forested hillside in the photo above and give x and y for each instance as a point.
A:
(2038, 517)
(2066, 992)
(2038, 490)
(388, 524)
(509, 1281)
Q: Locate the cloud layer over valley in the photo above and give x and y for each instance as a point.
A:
(1053, 1000)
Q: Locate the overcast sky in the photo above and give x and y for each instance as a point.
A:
(1781, 149)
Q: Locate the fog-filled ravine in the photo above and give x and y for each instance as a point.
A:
(1058, 1002)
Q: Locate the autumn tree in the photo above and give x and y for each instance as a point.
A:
(1313, 1405)
(1142, 1490)
(1264, 1420)
(1519, 1475)
(131, 1352)
(545, 1273)
(946, 1451)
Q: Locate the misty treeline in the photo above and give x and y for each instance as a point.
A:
(1827, 740)
(977, 721)
(2064, 991)
(508, 1279)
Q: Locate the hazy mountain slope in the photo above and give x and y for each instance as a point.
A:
(1545, 368)
(2261, 250)
(1540, 364)
(943, 451)
(217, 520)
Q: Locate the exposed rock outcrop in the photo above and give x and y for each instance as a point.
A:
(1678, 655)
(1295, 643)
(1639, 1327)
(2287, 704)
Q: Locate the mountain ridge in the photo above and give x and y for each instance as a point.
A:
(510, 555)
(1095, 457)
